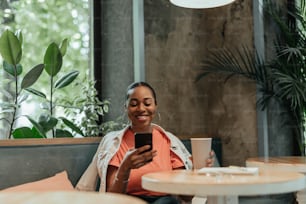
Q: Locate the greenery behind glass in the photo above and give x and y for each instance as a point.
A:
(42, 22)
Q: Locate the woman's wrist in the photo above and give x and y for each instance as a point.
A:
(122, 180)
(122, 176)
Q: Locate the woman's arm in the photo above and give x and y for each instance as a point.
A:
(117, 178)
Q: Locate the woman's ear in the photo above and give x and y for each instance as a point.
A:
(125, 104)
(156, 109)
(125, 107)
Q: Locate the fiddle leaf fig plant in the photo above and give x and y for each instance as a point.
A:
(11, 52)
(21, 88)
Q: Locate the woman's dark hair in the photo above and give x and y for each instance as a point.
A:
(137, 84)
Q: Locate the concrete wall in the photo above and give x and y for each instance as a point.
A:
(177, 40)
(117, 53)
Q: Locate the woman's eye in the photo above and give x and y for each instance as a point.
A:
(133, 104)
(148, 102)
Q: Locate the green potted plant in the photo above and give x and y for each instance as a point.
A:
(284, 77)
(11, 52)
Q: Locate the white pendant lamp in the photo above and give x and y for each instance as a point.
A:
(201, 4)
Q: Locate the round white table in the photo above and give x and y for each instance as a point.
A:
(223, 188)
(288, 164)
(66, 197)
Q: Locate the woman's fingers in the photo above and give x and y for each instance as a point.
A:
(142, 156)
(210, 161)
(143, 149)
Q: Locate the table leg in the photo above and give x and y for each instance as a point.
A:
(198, 200)
(222, 200)
(301, 196)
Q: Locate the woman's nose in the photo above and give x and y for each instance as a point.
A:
(141, 107)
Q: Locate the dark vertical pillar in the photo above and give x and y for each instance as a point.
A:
(97, 45)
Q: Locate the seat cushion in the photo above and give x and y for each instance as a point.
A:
(58, 182)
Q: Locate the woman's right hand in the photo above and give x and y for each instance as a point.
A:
(117, 178)
(139, 157)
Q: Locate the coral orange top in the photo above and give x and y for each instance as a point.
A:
(165, 160)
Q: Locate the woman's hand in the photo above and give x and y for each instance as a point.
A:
(210, 161)
(118, 178)
(139, 157)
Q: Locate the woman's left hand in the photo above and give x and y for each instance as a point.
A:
(210, 161)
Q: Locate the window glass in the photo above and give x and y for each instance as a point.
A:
(42, 22)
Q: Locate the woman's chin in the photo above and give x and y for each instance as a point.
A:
(143, 127)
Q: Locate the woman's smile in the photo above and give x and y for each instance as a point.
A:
(142, 117)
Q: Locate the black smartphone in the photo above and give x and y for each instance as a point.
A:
(142, 139)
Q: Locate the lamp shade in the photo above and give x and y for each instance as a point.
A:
(201, 4)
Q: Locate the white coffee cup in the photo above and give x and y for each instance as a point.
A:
(200, 147)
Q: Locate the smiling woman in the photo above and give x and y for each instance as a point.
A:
(120, 164)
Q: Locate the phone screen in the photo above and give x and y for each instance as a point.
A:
(142, 139)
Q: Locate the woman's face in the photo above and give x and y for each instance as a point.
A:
(141, 108)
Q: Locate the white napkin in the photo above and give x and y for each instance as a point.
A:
(229, 170)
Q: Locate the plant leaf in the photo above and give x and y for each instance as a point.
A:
(22, 132)
(62, 133)
(66, 79)
(47, 122)
(38, 127)
(22, 97)
(19, 35)
(25, 132)
(12, 69)
(31, 77)
(105, 108)
(10, 48)
(53, 59)
(35, 92)
(72, 126)
(36, 133)
(63, 46)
